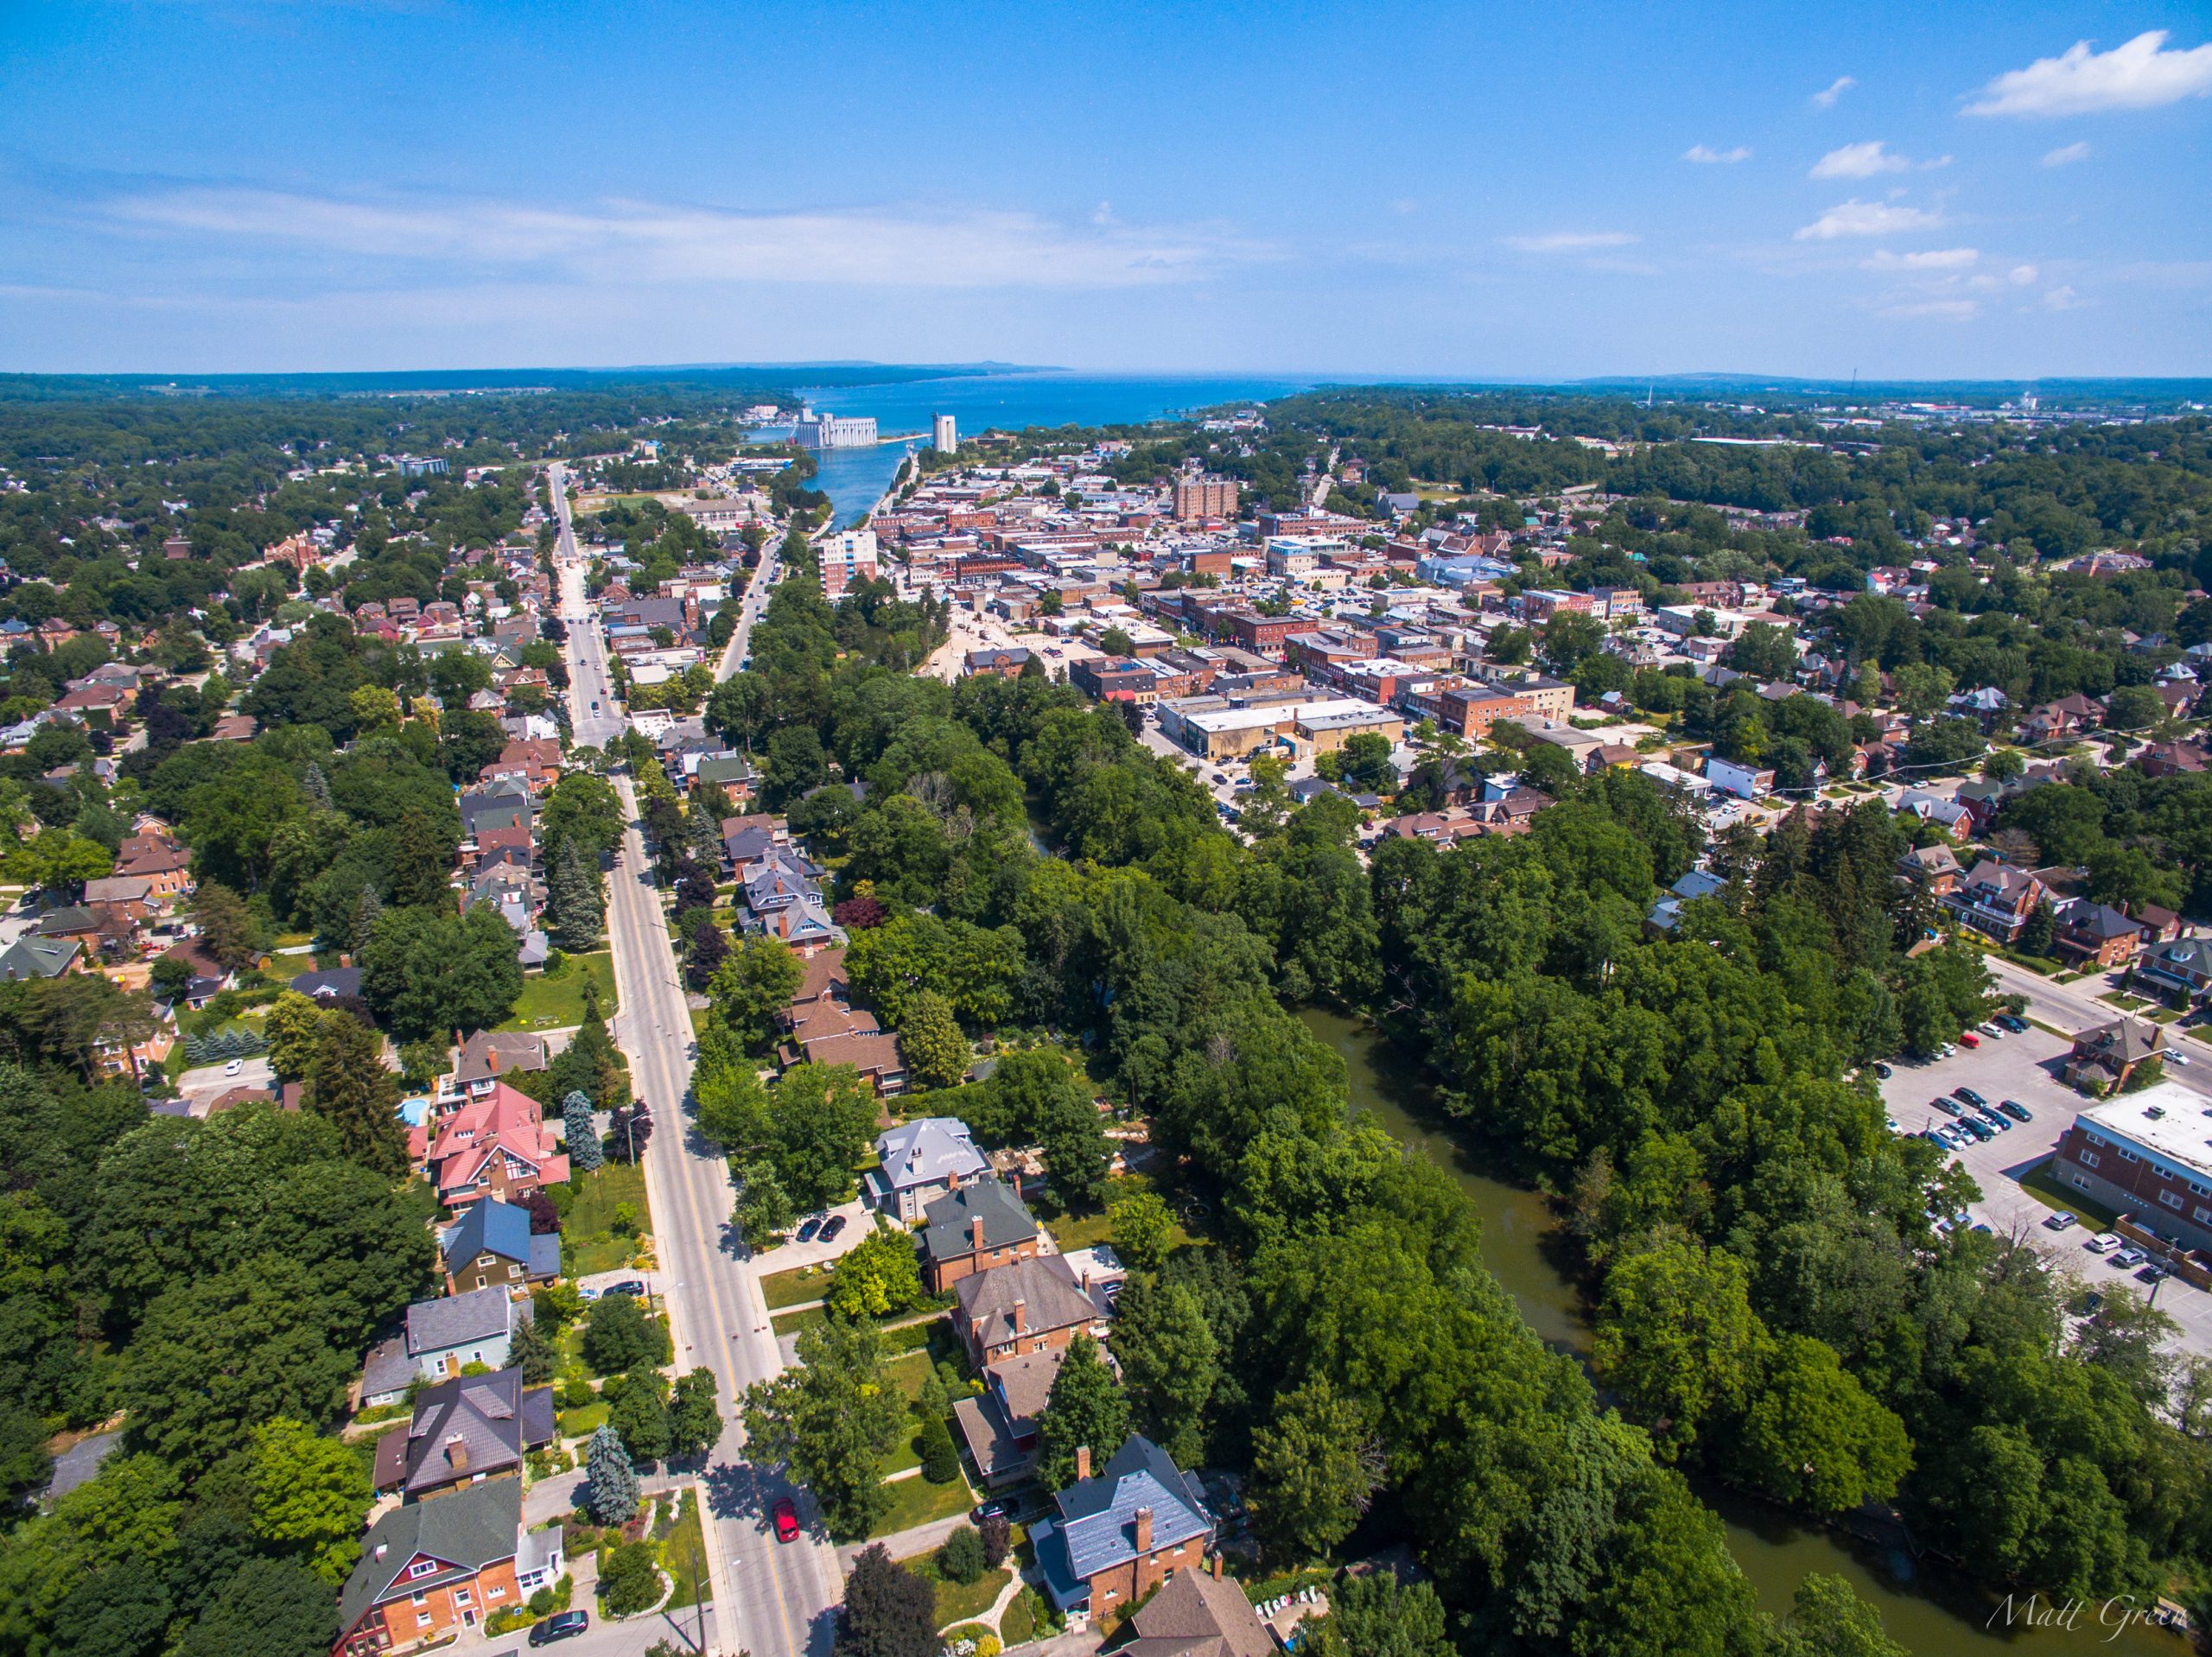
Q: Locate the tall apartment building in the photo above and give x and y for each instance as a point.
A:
(846, 556)
(1200, 496)
(944, 435)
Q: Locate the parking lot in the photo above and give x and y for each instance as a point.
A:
(2026, 1067)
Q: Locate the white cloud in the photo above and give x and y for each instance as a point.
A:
(1102, 214)
(2067, 154)
(2139, 75)
(2061, 298)
(1710, 158)
(1569, 241)
(642, 241)
(1941, 258)
(1857, 218)
(1946, 310)
(1836, 88)
(2021, 274)
(1860, 161)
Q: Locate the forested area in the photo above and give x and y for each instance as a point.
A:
(1773, 1306)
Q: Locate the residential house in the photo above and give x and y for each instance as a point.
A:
(496, 1146)
(503, 803)
(464, 1431)
(1116, 1536)
(2055, 721)
(1997, 900)
(1745, 782)
(1031, 1305)
(484, 1057)
(1198, 1614)
(441, 1338)
(2106, 1055)
(159, 858)
(1666, 913)
(999, 1424)
(427, 1571)
(972, 1229)
(2086, 932)
(492, 1246)
(1932, 866)
(2178, 971)
(329, 984)
(2172, 758)
(921, 1161)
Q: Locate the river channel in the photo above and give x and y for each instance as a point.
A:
(1927, 1610)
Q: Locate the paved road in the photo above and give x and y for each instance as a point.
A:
(2071, 1008)
(771, 1600)
(748, 612)
(589, 682)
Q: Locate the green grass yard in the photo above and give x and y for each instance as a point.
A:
(679, 1549)
(795, 1287)
(588, 1241)
(916, 1501)
(957, 1603)
(2040, 1183)
(554, 1000)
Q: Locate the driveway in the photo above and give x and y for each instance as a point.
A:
(2026, 1067)
(792, 1255)
(208, 1081)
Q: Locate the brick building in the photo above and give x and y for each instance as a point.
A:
(1120, 1534)
(2146, 1156)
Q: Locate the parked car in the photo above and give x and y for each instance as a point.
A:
(1883, 1071)
(629, 1285)
(1968, 1096)
(808, 1227)
(562, 1625)
(786, 1517)
(833, 1227)
(2001, 1123)
(1952, 1136)
(233, 1067)
(2129, 1256)
(1967, 1039)
(2009, 1021)
(1979, 1128)
(1948, 1106)
(983, 1510)
(1945, 1050)
(2016, 1110)
(2064, 1219)
(2154, 1272)
(2104, 1242)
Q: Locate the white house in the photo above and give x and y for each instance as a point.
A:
(1742, 781)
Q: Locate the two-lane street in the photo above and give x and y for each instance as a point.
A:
(771, 1599)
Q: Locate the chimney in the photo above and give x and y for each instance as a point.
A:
(1020, 1317)
(975, 1234)
(1144, 1531)
(1216, 1567)
(1082, 1462)
(457, 1458)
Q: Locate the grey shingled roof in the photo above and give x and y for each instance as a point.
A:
(493, 1418)
(1045, 1284)
(465, 1532)
(928, 1151)
(436, 1325)
(1202, 1615)
(1098, 1516)
(1006, 1221)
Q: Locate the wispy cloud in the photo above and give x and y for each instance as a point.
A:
(1569, 241)
(2062, 298)
(643, 241)
(1941, 258)
(2067, 154)
(1706, 156)
(2139, 75)
(1941, 310)
(1836, 88)
(1868, 160)
(1857, 218)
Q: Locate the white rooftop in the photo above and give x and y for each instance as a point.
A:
(2166, 1119)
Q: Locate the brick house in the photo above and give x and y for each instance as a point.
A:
(2179, 970)
(497, 1146)
(1997, 900)
(1932, 866)
(2090, 933)
(2106, 1055)
(973, 1229)
(1031, 1305)
(429, 1570)
(465, 1431)
(1117, 1536)
(157, 858)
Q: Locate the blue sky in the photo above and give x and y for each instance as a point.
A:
(1905, 190)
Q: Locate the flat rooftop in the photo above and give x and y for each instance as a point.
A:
(2165, 1119)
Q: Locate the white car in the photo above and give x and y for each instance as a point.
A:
(2104, 1242)
(233, 1067)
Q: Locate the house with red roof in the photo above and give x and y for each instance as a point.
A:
(497, 1145)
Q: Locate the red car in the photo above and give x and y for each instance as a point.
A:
(1967, 1039)
(786, 1517)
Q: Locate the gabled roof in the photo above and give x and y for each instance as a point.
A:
(1198, 1615)
(456, 1319)
(1045, 1288)
(463, 1532)
(929, 1149)
(1006, 1221)
(496, 1052)
(463, 1429)
(37, 957)
(1098, 1516)
(490, 1227)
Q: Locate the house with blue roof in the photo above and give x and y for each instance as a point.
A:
(491, 1246)
(1118, 1535)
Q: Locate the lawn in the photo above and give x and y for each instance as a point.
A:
(2044, 1185)
(588, 1241)
(957, 1603)
(916, 1501)
(554, 1000)
(795, 1287)
(582, 1423)
(679, 1549)
(1088, 1230)
(1018, 1624)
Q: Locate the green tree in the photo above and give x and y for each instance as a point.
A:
(878, 1277)
(639, 1411)
(617, 1335)
(695, 1417)
(265, 1609)
(530, 1350)
(1170, 1363)
(1677, 1338)
(832, 1418)
(753, 986)
(888, 1611)
(310, 1493)
(353, 1092)
(960, 1556)
(940, 1456)
(1085, 1410)
(765, 1211)
(1076, 1152)
(630, 1580)
(572, 903)
(1143, 1229)
(580, 1132)
(227, 930)
(1315, 1467)
(1375, 1615)
(930, 1041)
(1827, 1619)
(611, 1491)
(1815, 1437)
(820, 1119)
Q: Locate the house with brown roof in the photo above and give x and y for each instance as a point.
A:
(1027, 1306)
(2105, 1055)
(1997, 900)
(159, 859)
(464, 1431)
(1198, 1613)
(1932, 866)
